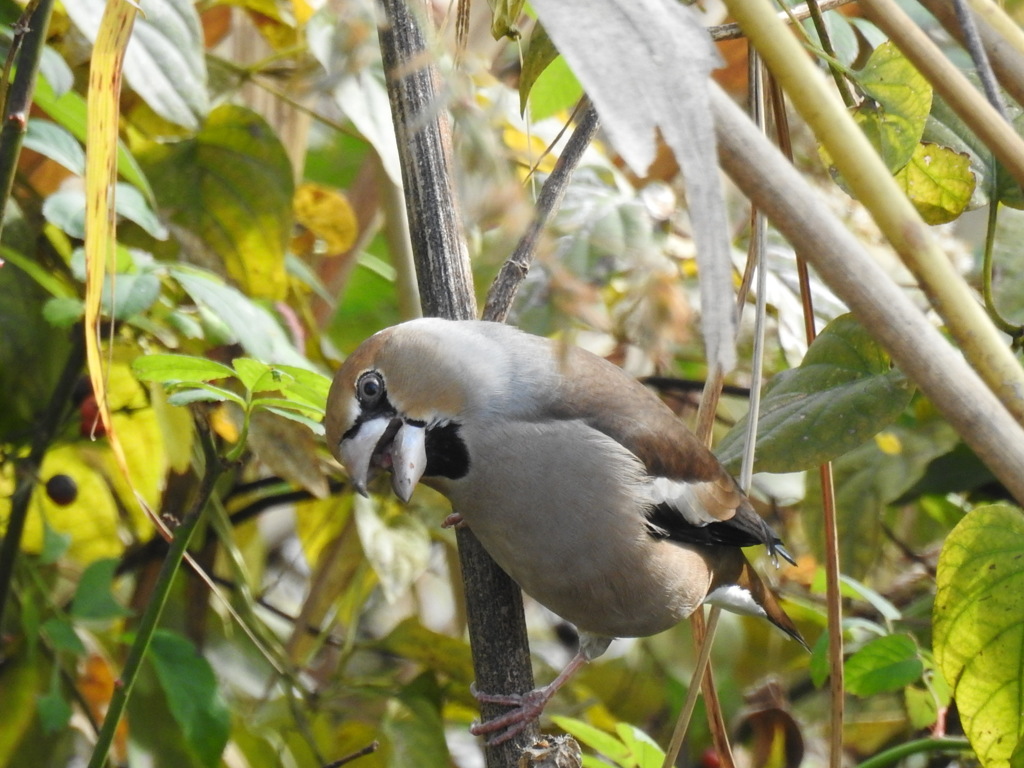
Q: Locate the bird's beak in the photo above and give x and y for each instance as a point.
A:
(384, 443)
(408, 459)
(357, 452)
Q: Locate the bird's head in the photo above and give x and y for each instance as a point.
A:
(402, 393)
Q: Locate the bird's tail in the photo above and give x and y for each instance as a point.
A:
(741, 581)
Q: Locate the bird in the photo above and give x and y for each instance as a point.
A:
(578, 480)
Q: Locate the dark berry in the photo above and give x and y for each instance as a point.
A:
(62, 490)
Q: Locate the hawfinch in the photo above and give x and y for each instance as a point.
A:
(580, 483)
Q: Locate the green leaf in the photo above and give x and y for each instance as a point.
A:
(62, 635)
(94, 598)
(306, 386)
(65, 209)
(165, 63)
(231, 185)
(52, 141)
(868, 479)
(132, 295)
(313, 425)
(69, 110)
(55, 544)
(505, 14)
(192, 695)
(397, 545)
(922, 709)
(643, 750)
(887, 663)
(167, 369)
(608, 745)
(54, 710)
(902, 100)
(415, 732)
(279, 404)
(851, 587)
(979, 629)
(253, 327)
(56, 71)
(842, 393)
(1008, 262)
(819, 663)
(938, 181)
(256, 376)
(204, 393)
(546, 84)
(540, 52)
(444, 654)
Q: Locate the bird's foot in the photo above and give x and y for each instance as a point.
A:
(527, 707)
(454, 520)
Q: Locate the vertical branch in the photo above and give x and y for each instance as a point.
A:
(497, 628)
(27, 469)
(833, 599)
(424, 148)
(26, 51)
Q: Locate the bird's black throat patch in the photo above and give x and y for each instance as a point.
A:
(446, 452)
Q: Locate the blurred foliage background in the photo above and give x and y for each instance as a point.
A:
(261, 238)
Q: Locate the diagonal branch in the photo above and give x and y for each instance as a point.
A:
(514, 270)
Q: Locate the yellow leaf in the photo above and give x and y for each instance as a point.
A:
(529, 150)
(938, 181)
(91, 519)
(888, 443)
(326, 213)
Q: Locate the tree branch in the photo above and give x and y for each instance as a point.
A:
(514, 270)
(777, 188)
(25, 54)
(497, 628)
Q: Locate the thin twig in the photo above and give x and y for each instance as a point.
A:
(27, 470)
(683, 722)
(732, 31)
(514, 270)
(833, 599)
(842, 86)
(161, 591)
(369, 749)
(982, 65)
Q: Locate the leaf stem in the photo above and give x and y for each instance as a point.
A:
(838, 76)
(986, 273)
(161, 590)
(898, 753)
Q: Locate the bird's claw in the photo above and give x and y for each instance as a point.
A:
(527, 707)
(454, 520)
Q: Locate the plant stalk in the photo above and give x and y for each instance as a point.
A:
(154, 609)
(873, 185)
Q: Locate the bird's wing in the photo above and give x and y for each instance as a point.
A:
(693, 498)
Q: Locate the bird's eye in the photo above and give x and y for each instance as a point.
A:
(370, 388)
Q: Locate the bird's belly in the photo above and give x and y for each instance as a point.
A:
(573, 536)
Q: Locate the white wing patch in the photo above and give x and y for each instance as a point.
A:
(737, 599)
(681, 497)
